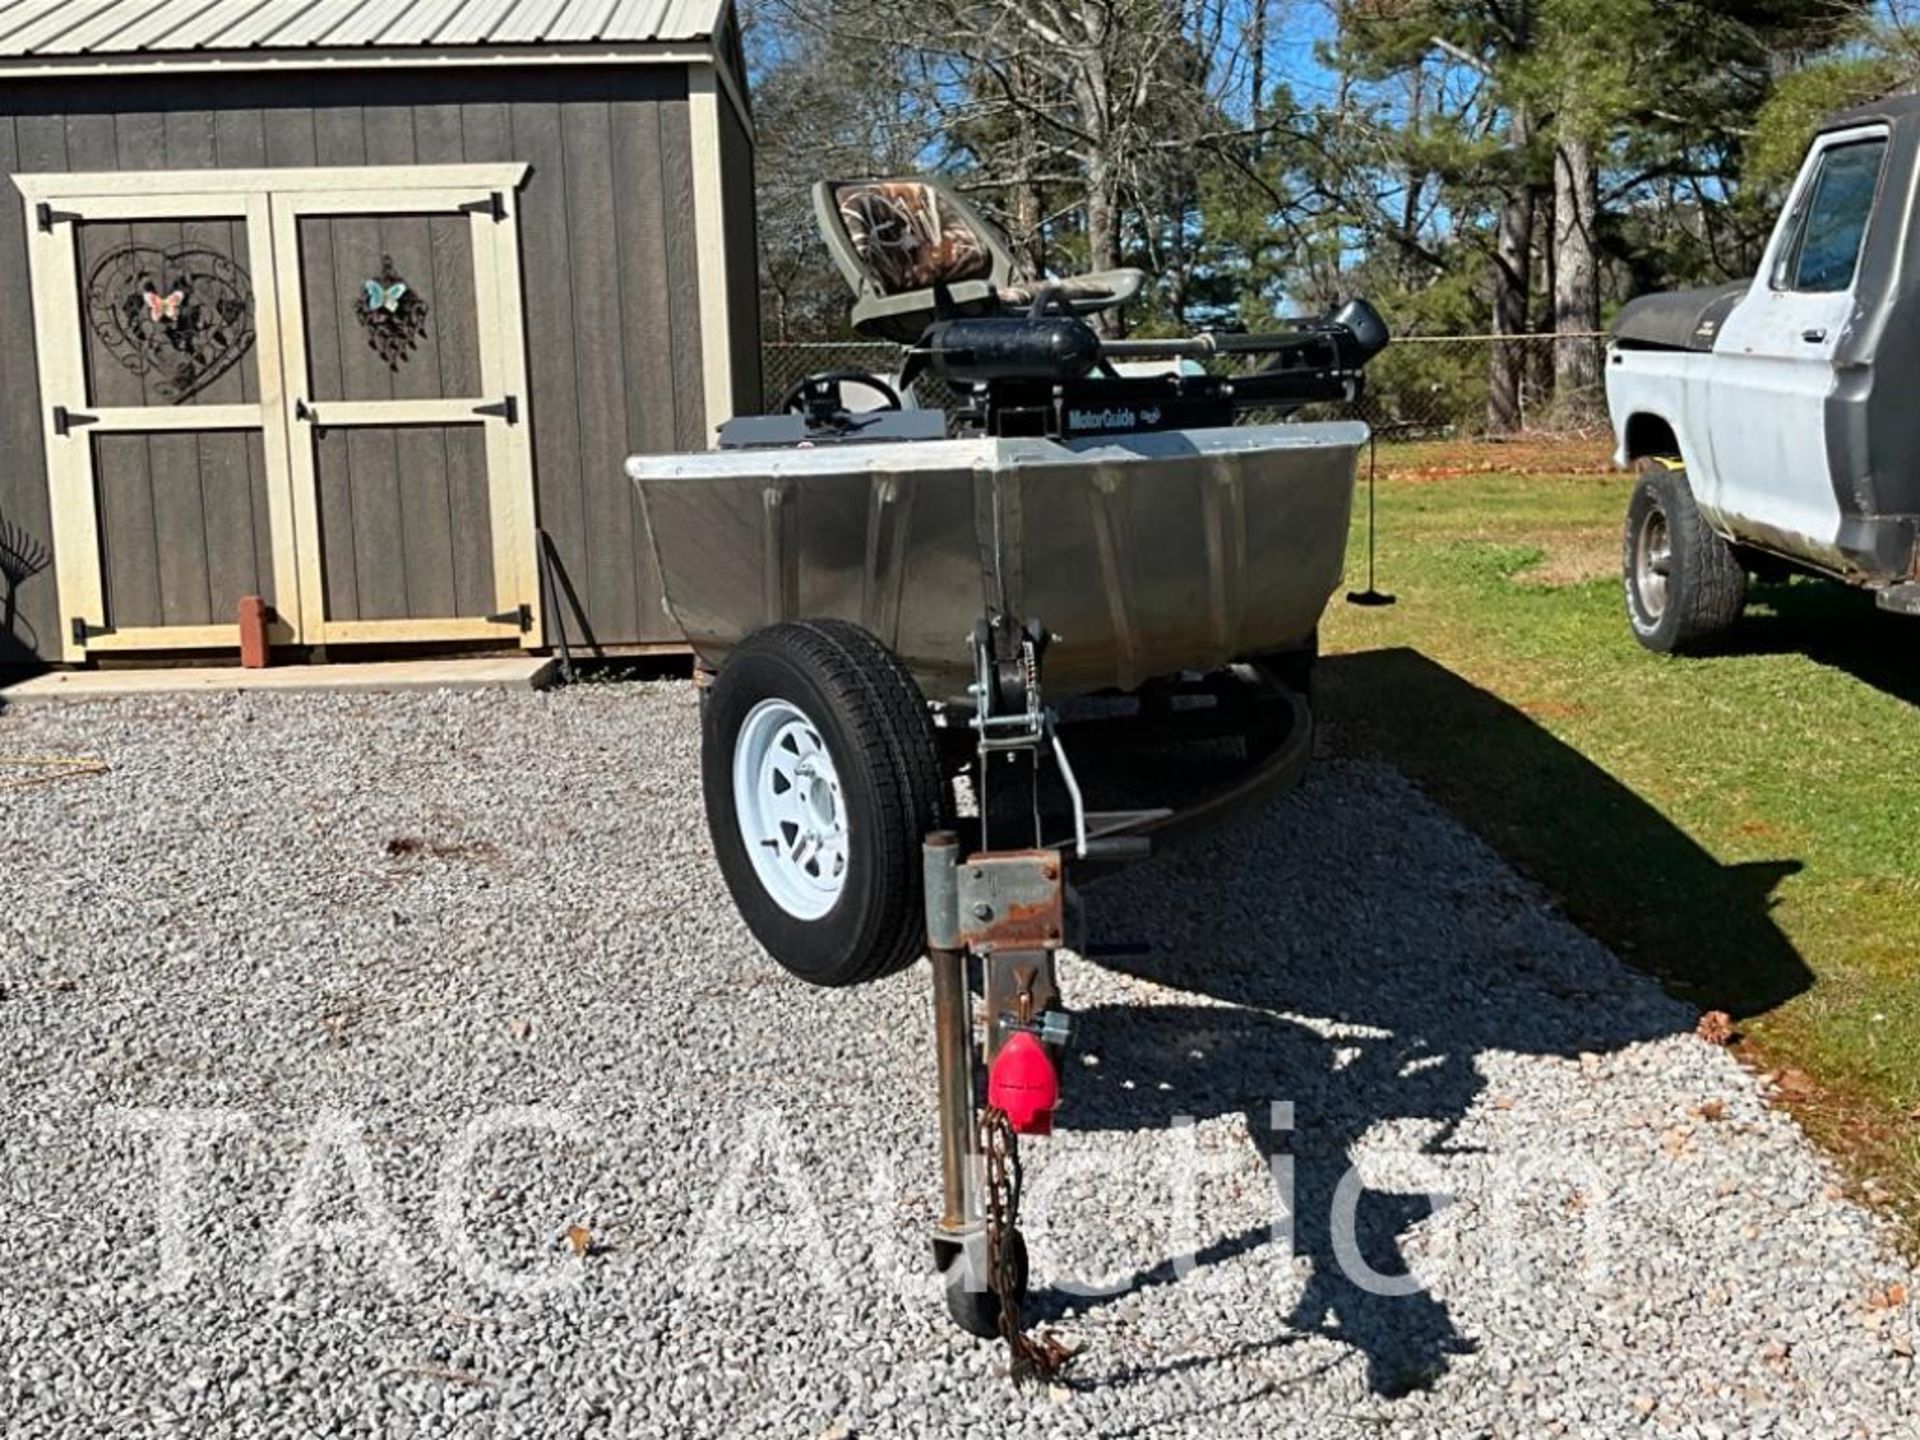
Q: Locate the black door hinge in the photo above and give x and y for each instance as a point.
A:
(65, 421)
(507, 410)
(495, 205)
(521, 617)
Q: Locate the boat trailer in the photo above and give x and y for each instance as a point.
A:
(887, 600)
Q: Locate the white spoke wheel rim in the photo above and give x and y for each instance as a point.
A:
(790, 808)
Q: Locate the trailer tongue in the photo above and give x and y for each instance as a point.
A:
(885, 600)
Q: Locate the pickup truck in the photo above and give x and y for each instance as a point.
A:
(1775, 422)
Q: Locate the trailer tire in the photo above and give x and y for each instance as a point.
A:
(1685, 586)
(822, 779)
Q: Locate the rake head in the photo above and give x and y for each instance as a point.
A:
(21, 555)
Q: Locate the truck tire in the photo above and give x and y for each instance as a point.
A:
(1685, 586)
(822, 778)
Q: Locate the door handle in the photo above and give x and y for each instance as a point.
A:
(1814, 336)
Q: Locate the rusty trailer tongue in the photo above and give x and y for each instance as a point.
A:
(1002, 912)
(1005, 915)
(998, 913)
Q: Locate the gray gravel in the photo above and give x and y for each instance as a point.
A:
(1635, 1243)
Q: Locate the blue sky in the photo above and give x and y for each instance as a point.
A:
(1296, 28)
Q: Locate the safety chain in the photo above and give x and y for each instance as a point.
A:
(1030, 1359)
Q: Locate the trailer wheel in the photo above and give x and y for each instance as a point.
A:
(822, 778)
(1685, 586)
(978, 1311)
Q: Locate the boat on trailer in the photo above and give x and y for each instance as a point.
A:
(908, 622)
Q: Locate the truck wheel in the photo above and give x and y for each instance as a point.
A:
(1685, 586)
(822, 778)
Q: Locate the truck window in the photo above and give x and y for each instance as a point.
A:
(1825, 248)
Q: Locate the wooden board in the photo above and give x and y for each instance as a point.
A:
(437, 585)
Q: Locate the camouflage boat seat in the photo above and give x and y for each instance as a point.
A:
(903, 243)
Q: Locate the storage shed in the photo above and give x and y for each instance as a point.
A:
(359, 306)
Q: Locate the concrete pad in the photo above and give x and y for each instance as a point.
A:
(512, 672)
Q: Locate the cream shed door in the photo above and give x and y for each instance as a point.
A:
(159, 354)
(404, 397)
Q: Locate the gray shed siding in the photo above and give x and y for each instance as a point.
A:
(27, 602)
(609, 258)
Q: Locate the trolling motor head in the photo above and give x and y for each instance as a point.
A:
(992, 350)
(1361, 332)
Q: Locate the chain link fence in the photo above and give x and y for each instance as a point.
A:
(1425, 387)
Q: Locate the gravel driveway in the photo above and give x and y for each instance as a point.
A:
(335, 1028)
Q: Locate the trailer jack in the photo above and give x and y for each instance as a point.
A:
(1000, 912)
(1005, 913)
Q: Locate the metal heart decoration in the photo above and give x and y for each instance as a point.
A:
(179, 316)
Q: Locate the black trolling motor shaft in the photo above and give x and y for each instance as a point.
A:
(1062, 348)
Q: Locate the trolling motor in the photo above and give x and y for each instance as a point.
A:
(1048, 373)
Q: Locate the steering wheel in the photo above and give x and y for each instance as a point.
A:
(812, 394)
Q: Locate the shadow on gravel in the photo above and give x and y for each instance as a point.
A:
(1622, 872)
(1238, 1059)
(1338, 925)
(1833, 625)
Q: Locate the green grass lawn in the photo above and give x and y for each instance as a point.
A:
(1745, 827)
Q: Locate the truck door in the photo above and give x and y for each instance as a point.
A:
(1773, 365)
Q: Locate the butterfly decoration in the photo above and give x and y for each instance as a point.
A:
(385, 297)
(163, 307)
(392, 313)
(178, 317)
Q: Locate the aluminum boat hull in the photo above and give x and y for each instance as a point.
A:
(1146, 555)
